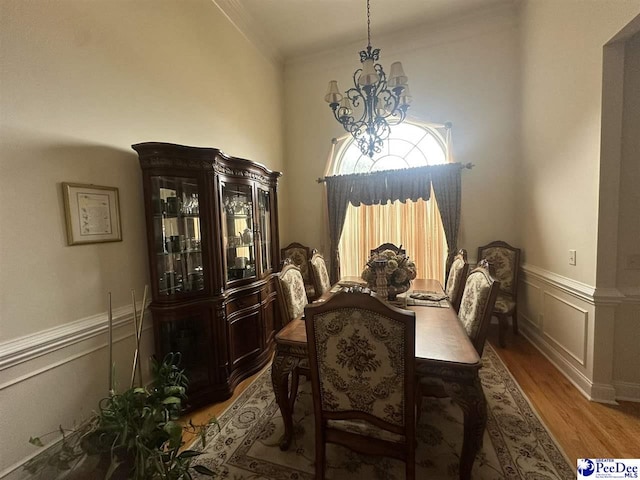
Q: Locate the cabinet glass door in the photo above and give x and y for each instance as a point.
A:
(264, 223)
(189, 337)
(177, 234)
(238, 231)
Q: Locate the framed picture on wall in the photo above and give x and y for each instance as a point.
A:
(92, 213)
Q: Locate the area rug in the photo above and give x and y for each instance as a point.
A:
(516, 444)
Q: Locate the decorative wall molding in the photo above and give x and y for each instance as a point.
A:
(573, 287)
(542, 284)
(595, 296)
(23, 349)
(581, 356)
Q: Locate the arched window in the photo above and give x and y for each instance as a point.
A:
(415, 225)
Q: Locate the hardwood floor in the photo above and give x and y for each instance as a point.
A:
(582, 428)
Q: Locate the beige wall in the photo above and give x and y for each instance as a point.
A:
(561, 105)
(571, 191)
(82, 81)
(465, 73)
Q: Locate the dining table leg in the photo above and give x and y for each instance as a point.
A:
(282, 367)
(469, 396)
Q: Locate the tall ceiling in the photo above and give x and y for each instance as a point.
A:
(288, 29)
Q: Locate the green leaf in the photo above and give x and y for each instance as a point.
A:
(36, 441)
(174, 430)
(171, 400)
(201, 469)
(189, 454)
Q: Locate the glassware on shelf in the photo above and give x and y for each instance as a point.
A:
(190, 205)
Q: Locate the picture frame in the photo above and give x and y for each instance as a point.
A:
(92, 213)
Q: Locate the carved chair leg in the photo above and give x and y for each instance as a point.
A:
(295, 378)
(514, 320)
(320, 456)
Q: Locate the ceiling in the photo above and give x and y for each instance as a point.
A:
(289, 29)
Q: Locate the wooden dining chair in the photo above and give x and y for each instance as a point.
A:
(505, 261)
(319, 274)
(300, 255)
(476, 307)
(388, 246)
(362, 362)
(456, 278)
(291, 299)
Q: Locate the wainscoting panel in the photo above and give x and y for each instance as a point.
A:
(529, 304)
(560, 315)
(565, 326)
(557, 316)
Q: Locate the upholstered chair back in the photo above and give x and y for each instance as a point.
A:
(300, 255)
(476, 306)
(505, 261)
(319, 273)
(292, 297)
(457, 277)
(362, 365)
(388, 246)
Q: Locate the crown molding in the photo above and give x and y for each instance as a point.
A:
(250, 29)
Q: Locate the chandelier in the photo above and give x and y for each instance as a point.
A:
(373, 104)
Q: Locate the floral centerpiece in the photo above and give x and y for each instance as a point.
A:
(397, 268)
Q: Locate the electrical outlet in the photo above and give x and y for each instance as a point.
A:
(572, 257)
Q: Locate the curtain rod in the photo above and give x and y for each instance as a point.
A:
(463, 166)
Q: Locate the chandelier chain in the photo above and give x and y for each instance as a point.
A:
(368, 25)
(374, 103)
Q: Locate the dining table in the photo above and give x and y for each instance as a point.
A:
(443, 350)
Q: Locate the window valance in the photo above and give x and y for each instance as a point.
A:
(390, 185)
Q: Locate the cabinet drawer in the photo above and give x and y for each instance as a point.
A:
(244, 302)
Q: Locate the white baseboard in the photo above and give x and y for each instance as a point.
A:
(627, 391)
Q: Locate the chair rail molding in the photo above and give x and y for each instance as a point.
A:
(24, 349)
(581, 290)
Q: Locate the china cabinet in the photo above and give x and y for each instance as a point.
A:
(212, 238)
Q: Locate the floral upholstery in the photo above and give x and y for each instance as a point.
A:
(293, 291)
(323, 284)
(360, 355)
(300, 259)
(455, 282)
(504, 304)
(474, 300)
(503, 261)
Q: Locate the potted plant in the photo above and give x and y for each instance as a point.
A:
(134, 434)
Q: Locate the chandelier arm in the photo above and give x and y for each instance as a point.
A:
(355, 96)
(375, 100)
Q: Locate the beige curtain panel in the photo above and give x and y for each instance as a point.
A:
(391, 185)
